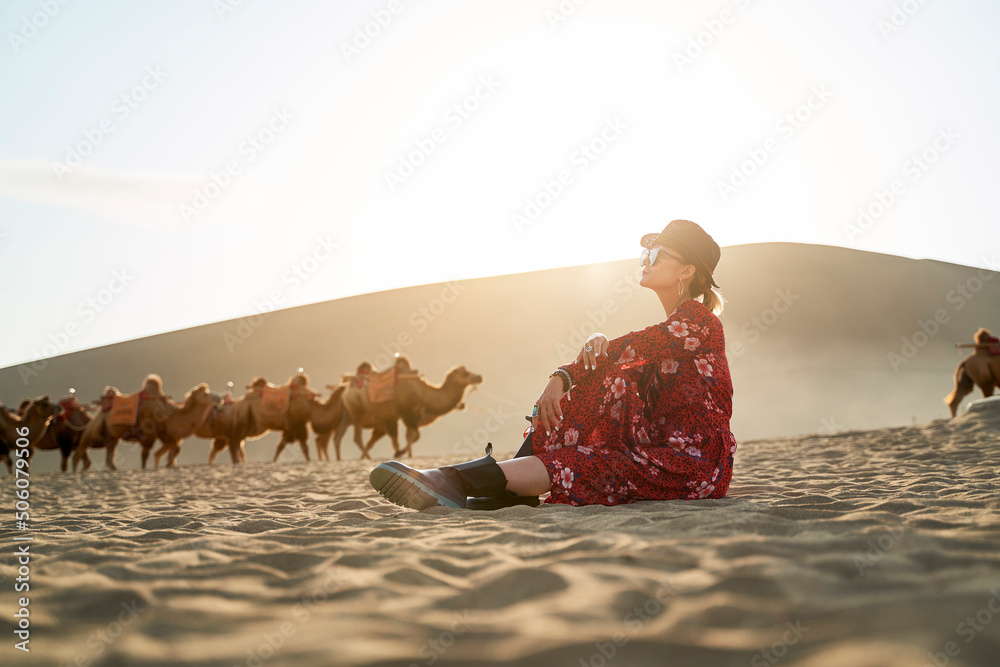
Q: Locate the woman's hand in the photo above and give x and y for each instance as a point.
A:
(549, 411)
(596, 346)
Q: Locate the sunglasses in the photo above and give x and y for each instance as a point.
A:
(652, 254)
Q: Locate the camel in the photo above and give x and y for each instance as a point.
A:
(159, 418)
(414, 400)
(979, 369)
(217, 427)
(30, 426)
(64, 432)
(250, 420)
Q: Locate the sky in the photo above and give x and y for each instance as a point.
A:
(166, 165)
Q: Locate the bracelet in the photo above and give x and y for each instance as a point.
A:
(567, 380)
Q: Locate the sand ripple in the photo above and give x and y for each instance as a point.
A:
(860, 548)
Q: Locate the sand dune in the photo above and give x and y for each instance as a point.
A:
(863, 548)
(809, 331)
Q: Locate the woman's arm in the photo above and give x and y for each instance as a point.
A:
(678, 338)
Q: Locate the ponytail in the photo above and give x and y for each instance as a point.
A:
(708, 295)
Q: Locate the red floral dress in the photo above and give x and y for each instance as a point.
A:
(651, 422)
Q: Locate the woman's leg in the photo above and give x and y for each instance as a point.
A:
(526, 476)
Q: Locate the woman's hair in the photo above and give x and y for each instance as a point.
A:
(710, 296)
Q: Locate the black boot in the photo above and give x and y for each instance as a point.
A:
(449, 485)
(506, 498)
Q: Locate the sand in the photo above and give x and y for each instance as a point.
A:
(860, 548)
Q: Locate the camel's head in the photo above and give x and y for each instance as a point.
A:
(258, 382)
(463, 376)
(43, 407)
(983, 336)
(201, 395)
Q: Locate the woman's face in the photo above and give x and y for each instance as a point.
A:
(668, 269)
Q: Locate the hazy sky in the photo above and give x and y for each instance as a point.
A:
(168, 164)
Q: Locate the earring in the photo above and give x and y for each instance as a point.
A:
(680, 287)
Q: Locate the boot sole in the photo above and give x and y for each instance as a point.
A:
(403, 488)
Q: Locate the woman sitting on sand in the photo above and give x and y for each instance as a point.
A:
(649, 416)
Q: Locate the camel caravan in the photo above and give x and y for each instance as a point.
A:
(365, 399)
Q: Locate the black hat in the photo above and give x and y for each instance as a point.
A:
(694, 243)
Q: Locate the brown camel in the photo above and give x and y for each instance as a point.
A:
(64, 432)
(414, 400)
(218, 427)
(30, 427)
(979, 369)
(158, 418)
(251, 419)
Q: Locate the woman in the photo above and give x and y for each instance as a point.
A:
(649, 416)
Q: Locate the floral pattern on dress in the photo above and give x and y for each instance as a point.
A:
(651, 425)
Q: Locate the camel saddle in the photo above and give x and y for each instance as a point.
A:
(382, 385)
(68, 405)
(124, 410)
(274, 400)
(994, 348)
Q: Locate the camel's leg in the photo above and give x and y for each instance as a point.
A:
(412, 435)
(65, 462)
(281, 447)
(110, 459)
(963, 387)
(377, 434)
(987, 389)
(323, 446)
(304, 444)
(339, 435)
(175, 451)
(157, 455)
(147, 447)
(357, 440)
(214, 451)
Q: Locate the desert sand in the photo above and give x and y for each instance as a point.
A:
(875, 548)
